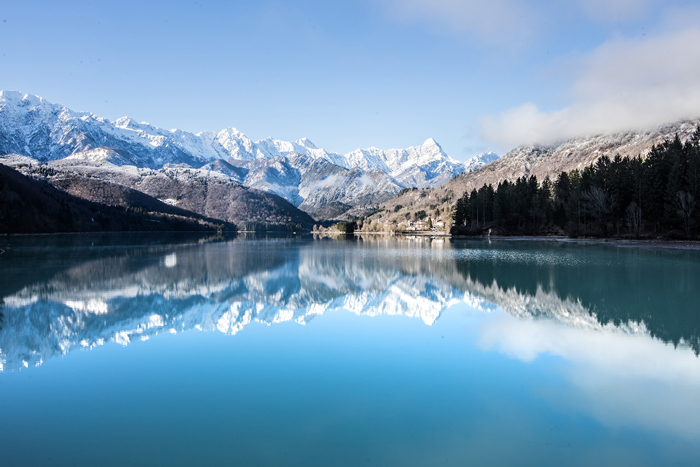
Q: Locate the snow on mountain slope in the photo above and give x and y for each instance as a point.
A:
(540, 161)
(276, 148)
(418, 166)
(98, 156)
(310, 183)
(275, 175)
(209, 193)
(324, 183)
(237, 145)
(576, 153)
(479, 161)
(32, 126)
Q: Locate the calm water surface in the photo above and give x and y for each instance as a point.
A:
(153, 350)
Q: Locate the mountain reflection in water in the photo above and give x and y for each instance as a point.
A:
(504, 353)
(58, 298)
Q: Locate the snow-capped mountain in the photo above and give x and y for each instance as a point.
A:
(419, 166)
(34, 127)
(91, 175)
(311, 183)
(31, 126)
(574, 154)
(480, 160)
(538, 161)
(316, 186)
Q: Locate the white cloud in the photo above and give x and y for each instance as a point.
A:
(622, 85)
(494, 21)
(620, 378)
(366, 180)
(616, 10)
(511, 22)
(331, 180)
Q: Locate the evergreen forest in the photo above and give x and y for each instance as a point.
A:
(652, 196)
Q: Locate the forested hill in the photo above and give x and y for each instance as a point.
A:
(654, 195)
(32, 206)
(524, 161)
(208, 194)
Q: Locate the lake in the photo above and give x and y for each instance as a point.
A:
(179, 350)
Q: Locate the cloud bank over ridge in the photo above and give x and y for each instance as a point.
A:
(642, 72)
(624, 84)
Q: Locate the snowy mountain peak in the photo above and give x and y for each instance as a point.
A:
(305, 142)
(479, 161)
(31, 126)
(430, 143)
(126, 123)
(232, 132)
(19, 98)
(10, 96)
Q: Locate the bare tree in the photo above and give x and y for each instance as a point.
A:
(599, 205)
(539, 215)
(633, 214)
(685, 207)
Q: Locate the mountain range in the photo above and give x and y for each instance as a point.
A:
(322, 183)
(276, 181)
(526, 161)
(28, 205)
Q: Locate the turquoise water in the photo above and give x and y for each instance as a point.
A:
(180, 350)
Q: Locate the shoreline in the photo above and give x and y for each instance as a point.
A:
(421, 233)
(689, 245)
(9, 235)
(619, 242)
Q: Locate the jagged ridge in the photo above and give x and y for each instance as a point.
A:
(31, 126)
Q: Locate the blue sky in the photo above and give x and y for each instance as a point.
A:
(476, 75)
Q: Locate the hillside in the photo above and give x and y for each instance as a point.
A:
(32, 206)
(174, 189)
(306, 176)
(525, 160)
